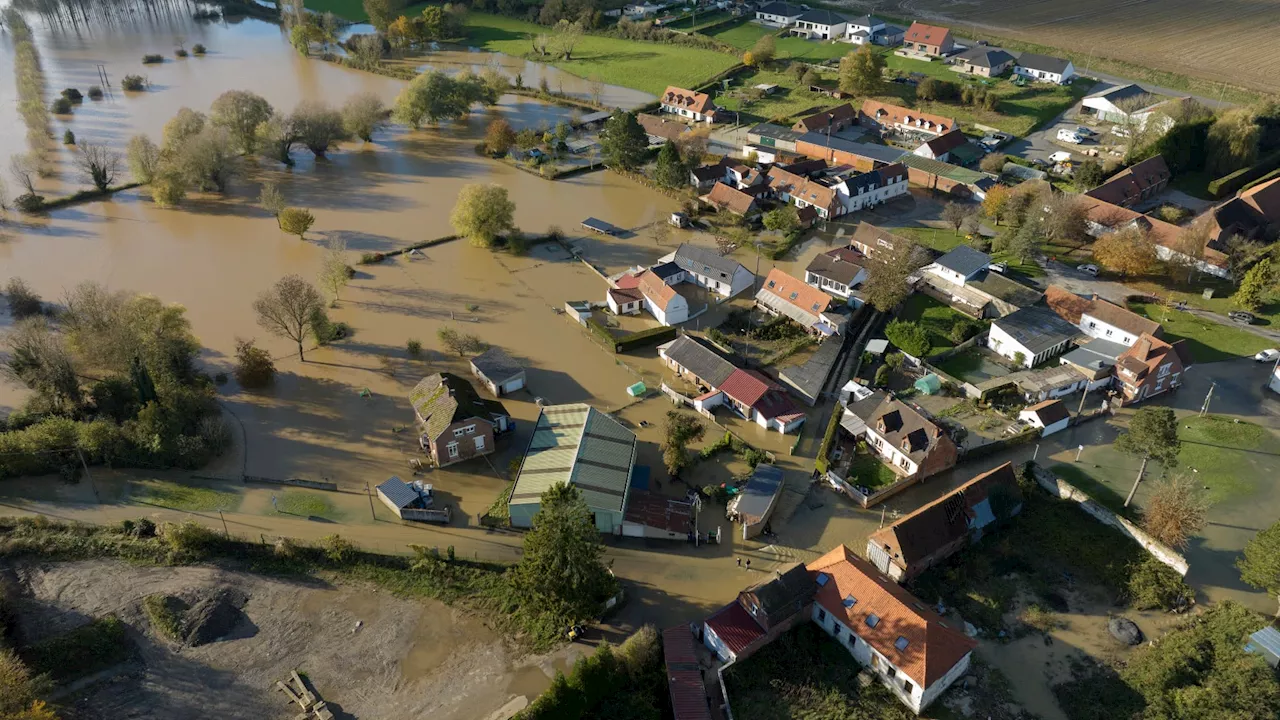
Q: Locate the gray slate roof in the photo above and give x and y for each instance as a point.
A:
(582, 446)
(760, 490)
(1095, 354)
(699, 360)
(398, 492)
(1036, 328)
(666, 270)
(703, 260)
(964, 260)
(987, 57)
(821, 17)
(781, 8)
(444, 398)
(1004, 288)
(776, 132)
(496, 365)
(1121, 92)
(1043, 63)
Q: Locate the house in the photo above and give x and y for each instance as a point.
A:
(498, 371)
(943, 177)
(833, 120)
(724, 197)
(1044, 68)
(707, 268)
(907, 646)
(908, 442)
(757, 500)
(1103, 217)
(1137, 183)
(685, 684)
(1095, 361)
(983, 61)
(1150, 367)
(660, 129)
(837, 272)
(820, 145)
(1131, 103)
(840, 191)
(581, 446)
(961, 264)
(705, 176)
(1030, 336)
(1108, 321)
(1253, 214)
(454, 422)
(743, 176)
(809, 307)
(1049, 416)
(928, 40)
(661, 300)
(963, 279)
(696, 363)
(938, 530)
(819, 24)
(760, 613)
(779, 14)
(884, 117)
(689, 104)
(747, 393)
(868, 239)
(1265, 198)
(941, 147)
(868, 29)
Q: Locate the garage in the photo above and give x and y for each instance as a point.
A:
(498, 371)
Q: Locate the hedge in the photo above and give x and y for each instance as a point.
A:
(825, 448)
(651, 336)
(601, 331)
(1228, 184)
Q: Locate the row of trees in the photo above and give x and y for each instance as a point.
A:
(30, 85)
(436, 23)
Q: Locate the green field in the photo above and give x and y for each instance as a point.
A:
(307, 504)
(1208, 341)
(191, 498)
(744, 37)
(699, 21)
(786, 105)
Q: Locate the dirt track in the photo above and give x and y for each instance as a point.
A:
(407, 659)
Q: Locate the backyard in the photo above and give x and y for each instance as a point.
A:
(787, 103)
(1207, 340)
(867, 470)
(975, 365)
(744, 36)
(935, 317)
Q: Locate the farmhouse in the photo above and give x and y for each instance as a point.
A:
(759, 614)
(689, 104)
(1135, 184)
(1044, 68)
(1254, 214)
(833, 120)
(941, 147)
(1150, 367)
(1049, 417)
(868, 29)
(928, 40)
(747, 393)
(819, 24)
(1107, 321)
(707, 268)
(837, 272)
(779, 14)
(498, 371)
(938, 530)
(883, 117)
(1103, 217)
(581, 446)
(454, 422)
(1030, 336)
(808, 307)
(983, 61)
(724, 197)
(905, 440)
(660, 129)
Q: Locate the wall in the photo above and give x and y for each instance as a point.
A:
(1066, 491)
(937, 182)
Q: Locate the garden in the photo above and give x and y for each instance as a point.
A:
(941, 324)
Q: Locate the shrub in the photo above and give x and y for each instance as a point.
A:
(165, 613)
(1152, 585)
(29, 202)
(296, 221)
(962, 330)
(189, 540)
(893, 360)
(23, 301)
(254, 366)
(882, 376)
(198, 49)
(908, 337)
(338, 549)
(415, 348)
(372, 258)
(327, 331)
(72, 94)
(133, 83)
(61, 106)
(151, 59)
(68, 137)
(95, 92)
(180, 52)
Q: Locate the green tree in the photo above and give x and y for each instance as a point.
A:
(678, 430)
(1152, 435)
(562, 569)
(483, 213)
(764, 50)
(432, 23)
(276, 137)
(143, 157)
(254, 367)
(318, 126)
(669, 171)
(499, 137)
(623, 142)
(240, 112)
(380, 13)
(783, 219)
(1089, 175)
(289, 310)
(296, 221)
(1232, 142)
(1260, 563)
(434, 96)
(334, 271)
(886, 284)
(1256, 286)
(271, 200)
(862, 71)
(362, 114)
(908, 337)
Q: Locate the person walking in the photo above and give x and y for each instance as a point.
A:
(739, 562)
(748, 563)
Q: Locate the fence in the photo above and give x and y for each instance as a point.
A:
(952, 352)
(1066, 491)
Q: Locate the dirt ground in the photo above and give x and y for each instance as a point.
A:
(367, 653)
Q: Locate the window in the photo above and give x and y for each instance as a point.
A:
(453, 449)
(1108, 333)
(872, 620)
(479, 442)
(835, 631)
(822, 615)
(900, 643)
(459, 432)
(850, 601)
(891, 671)
(1093, 324)
(469, 429)
(907, 687)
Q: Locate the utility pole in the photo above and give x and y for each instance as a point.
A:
(225, 531)
(1141, 471)
(1204, 409)
(372, 514)
(1080, 410)
(89, 475)
(1079, 449)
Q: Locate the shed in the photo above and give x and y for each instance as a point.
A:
(753, 506)
(929, 384)
(877, 346)
(1266, 642)
(600, 226)
(498, 371)
(411, 501)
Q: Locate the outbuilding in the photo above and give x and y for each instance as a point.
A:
(1050, 416)
(498, 371)
(753, 506)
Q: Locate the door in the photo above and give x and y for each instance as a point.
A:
(512, 385)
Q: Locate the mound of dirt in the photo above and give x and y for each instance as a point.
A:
(1124, 630)
(213, 618)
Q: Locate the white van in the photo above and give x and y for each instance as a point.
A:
(1070, 135)
(1062, 156)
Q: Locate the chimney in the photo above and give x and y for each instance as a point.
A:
(1143, 349)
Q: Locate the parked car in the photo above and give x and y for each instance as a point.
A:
(1242, 317)
(1270, 355)
(1088, 269)
(999, 267)
(1083, 131)
(1062, 156)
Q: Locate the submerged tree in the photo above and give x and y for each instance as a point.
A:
(1152, 435)
(678, 430)
(39, 360)
(98, 163)
(276, 136)
(254, 367)
(289, 309)
(1260, 564)
(143, 157)
(240, 112)
(483, 213)
(623, 142)
(362, 114)
(318, 126)
(296, 221)
(334, 271)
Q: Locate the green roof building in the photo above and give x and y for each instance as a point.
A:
(584, 447)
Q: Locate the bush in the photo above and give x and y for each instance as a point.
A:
(894, 360)
(165, 613)
(72, 94)
(61, 106)
(68, 137)
(151, 59)
(652, 336)
(824, 450)
(414, 348)
(95, 92)
(198, 49)
(908, 337)
(372, 258)
(882, 376)
(1152, 585)
(29, 202)
(963, 330)
(254, 366)
(189, 540)
(133, 83)
(23, 301)
(338, 549)
(180, 52)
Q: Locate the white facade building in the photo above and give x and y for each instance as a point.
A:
(1044, 68)
(820, 24)
(779, 14)
(1030, 336)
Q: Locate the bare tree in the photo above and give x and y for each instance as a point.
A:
(955, 214)
(288, 309)
(24, 170)
(1176, 511)
(1137, 126)
(98, 163)
(334, 272)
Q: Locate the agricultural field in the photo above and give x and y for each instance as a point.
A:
(1186, 45)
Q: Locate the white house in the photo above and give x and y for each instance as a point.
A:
(907, 646)
(1044, 68)
(1274, 382)
(837, 272)
(1050, 416)
(779, 14)
(707, 268)
(820, 24)
(688, 104)
(960, 265)
(648, 291)
(1131, 103)
(869, 29)
(1030, 336)
(940, 148)
(1106, 321)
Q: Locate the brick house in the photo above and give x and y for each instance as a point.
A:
(454, 422)
(1137, 183)
(905, 440)
(928, 39)
(1150, 367)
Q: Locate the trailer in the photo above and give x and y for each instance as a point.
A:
(600, 226)
(412, 501)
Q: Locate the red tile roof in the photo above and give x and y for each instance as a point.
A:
(1066, 304)
(927, 34)
(730, 198)
(808, 298)
(658, 292)
(826, 118)
(1128, 185)
(735, 626)
(932, 647)
(745, 386)
(1265, 198)
(688, 99)
(684, 676)
(886, 114)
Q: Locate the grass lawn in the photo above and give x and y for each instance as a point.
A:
(940, 239)
(786, 104)
(307, 504)
(1019, 270)
(935, 317)
(191, 498)
(699, 21)
(1208, 341)
(869, 471)
(85, 650)
(744, 37)
(649, 67)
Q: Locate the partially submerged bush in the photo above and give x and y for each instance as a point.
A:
(415, 348)
(68, 137)
(29, 202)
(338, 549)
(198, 49)
(72, 94)
(151, 59)
(254, 366)
(1152, 585)
(23, 301)
(133, 83)
(180, 52)
(95, 92)
(61, 106)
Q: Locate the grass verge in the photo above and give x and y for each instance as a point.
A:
(83, 651)
(165, 614)
(1207, 340)
(307, 504)
(191, 498)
